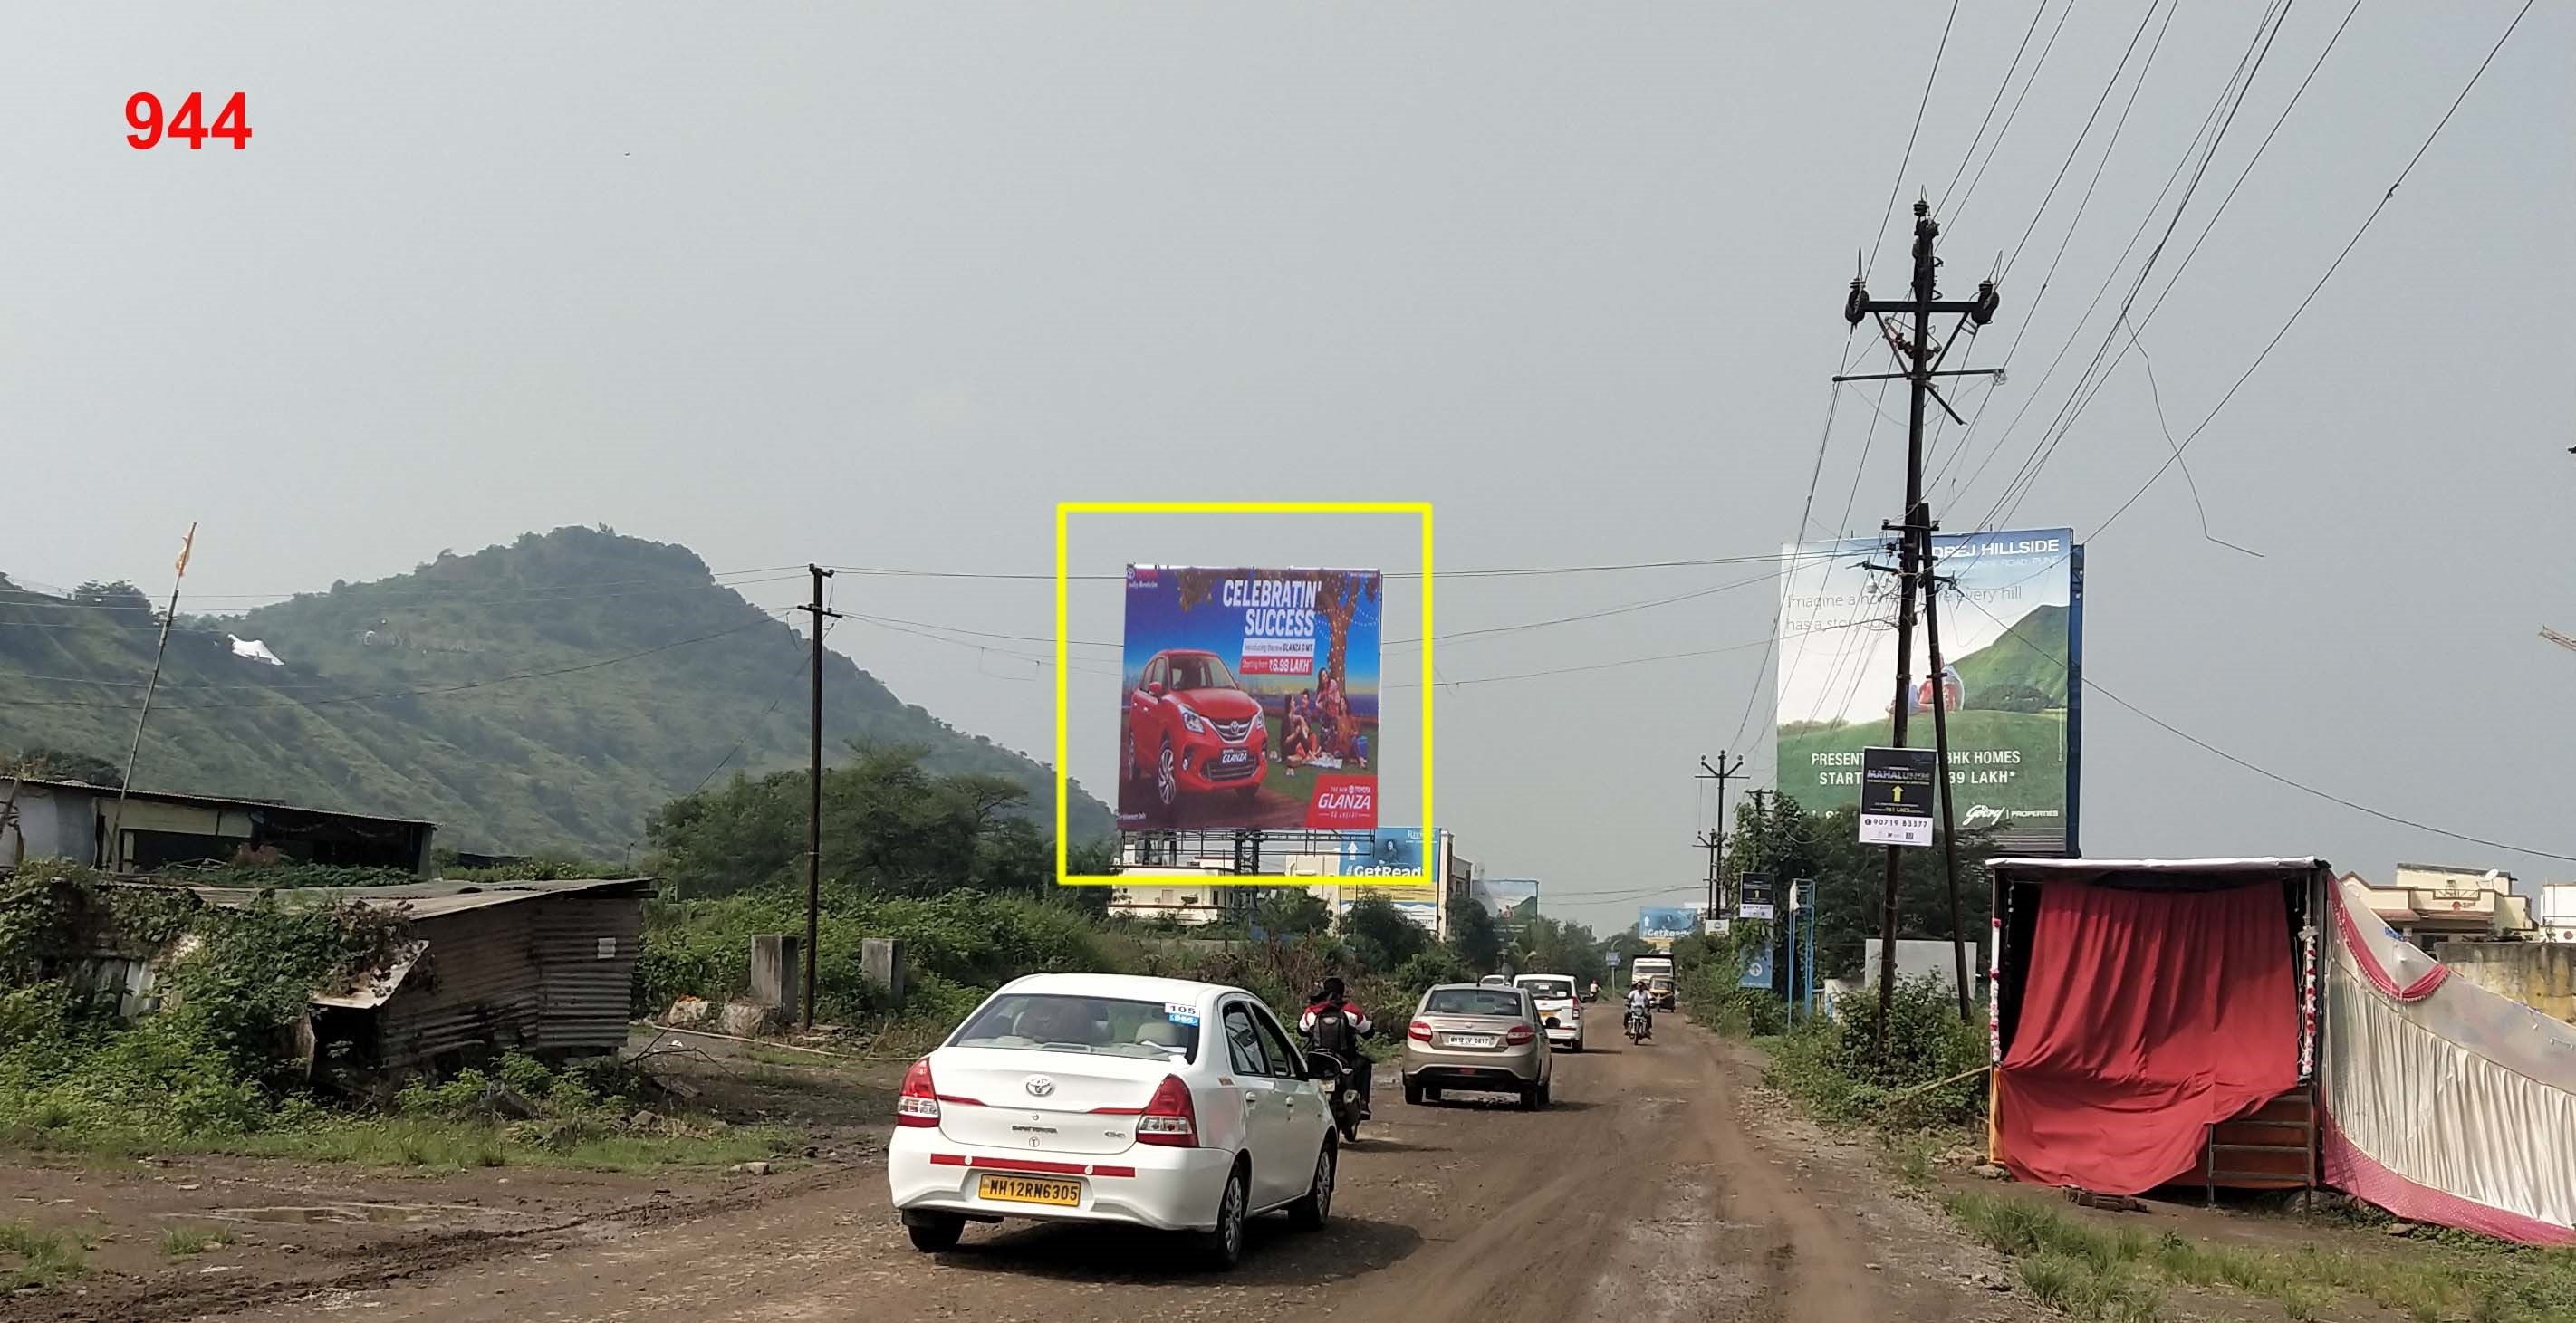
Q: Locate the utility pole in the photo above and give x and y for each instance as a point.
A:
(814, 802)
(1914, 545)
(1715, 837)
(134, 752)
(1941, 757)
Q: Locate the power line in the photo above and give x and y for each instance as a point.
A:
(1622, 663)
(2080, 398)
(1897, 185)
(2002, 86)
(2108, 86)
(2010, 115)
(2048, 282)
(2259, 770)
(2331, 268)
(804, 660)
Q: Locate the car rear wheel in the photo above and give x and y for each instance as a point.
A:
(1222, 1245)
(1412, 1093)
(934, 1234)
(1310, 1213)
(1531, 1098)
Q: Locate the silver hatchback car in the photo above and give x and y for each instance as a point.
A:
(1487, 1039)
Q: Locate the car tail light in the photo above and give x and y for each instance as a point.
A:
(919, 1105)
(1519, 1033)
(1170, 1119)
(1419, 1031)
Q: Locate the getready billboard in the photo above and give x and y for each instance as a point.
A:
(1666, 924)
(2012, 638)
(1250, 699)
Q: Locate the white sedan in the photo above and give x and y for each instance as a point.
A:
(1101, 1098)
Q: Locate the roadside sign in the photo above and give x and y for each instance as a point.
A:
(1614, 960)
(1896, 796)
(1753, 898)
(1757, 971)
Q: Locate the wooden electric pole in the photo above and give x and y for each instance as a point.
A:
(1941, 758)
(1914, 543)
(814, 802)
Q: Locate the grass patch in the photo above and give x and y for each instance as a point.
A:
(2116, 1273)
(32, 1257)
(189, 1242)
(434, 1144)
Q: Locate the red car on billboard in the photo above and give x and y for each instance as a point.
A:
(1191, 729)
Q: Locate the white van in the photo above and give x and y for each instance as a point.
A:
(1560, 1007)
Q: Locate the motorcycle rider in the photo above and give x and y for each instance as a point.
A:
(1336, 1024)
(1639, 1004)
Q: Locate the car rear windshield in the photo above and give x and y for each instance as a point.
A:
(1474, 1001)
(1104, 1026)
(1550, 988)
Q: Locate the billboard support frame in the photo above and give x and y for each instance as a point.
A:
(1063, 658)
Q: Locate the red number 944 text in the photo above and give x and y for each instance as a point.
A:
(143, 113)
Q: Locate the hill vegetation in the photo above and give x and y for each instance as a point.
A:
(2028, 661)
(544, 695)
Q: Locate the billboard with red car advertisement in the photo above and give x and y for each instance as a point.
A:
(1250, 698)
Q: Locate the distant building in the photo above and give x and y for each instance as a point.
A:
(152, 830)
(2427, 903)
(1169, 894)
(2558, 912)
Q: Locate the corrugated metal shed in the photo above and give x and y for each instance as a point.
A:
(541, 967)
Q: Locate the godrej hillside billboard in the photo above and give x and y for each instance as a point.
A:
(2012, 633)
(1250, 698)
(1512, 901)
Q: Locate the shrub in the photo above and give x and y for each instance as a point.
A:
(1832, 1064)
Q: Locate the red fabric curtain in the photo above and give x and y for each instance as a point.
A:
(2145, 1016)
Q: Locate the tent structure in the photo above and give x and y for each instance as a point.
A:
(2444, 1102)
(2155, 1021)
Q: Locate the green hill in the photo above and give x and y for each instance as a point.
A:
(546, 694)
(2032, 656)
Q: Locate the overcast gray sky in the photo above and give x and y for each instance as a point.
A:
(878, 285)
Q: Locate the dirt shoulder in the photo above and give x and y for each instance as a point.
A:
(1663, 1185)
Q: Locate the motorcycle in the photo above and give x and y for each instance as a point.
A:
(1640, 1025)
(1344, 1083)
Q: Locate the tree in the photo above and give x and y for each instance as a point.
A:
(62, 765)
(1476, 938)
(890, 827)
(1780, 838)
(1557, 947)
(1293, 913)
(1379, 934)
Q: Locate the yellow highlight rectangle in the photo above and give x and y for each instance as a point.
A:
(1063, 658)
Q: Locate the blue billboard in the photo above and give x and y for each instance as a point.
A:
(1385, 852)
(1667, 923)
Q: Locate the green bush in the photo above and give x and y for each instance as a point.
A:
(213, 1058)
(964, 938)
(1832, 1064)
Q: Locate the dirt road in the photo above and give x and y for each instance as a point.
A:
(1660, 1186)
